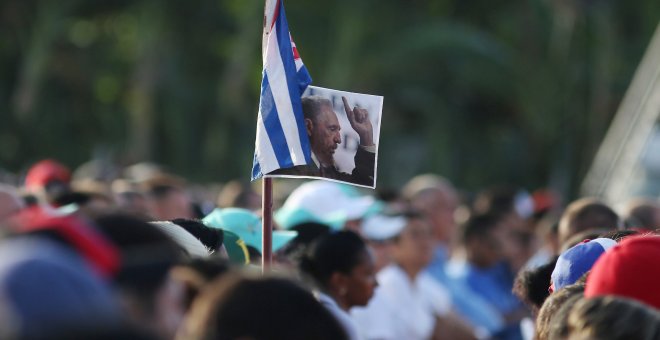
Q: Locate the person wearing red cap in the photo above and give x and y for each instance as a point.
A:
(48, 179)
(630, 269)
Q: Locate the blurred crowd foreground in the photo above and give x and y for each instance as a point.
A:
(143, 254)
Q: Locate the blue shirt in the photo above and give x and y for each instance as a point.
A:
(467, 304)
(494, 286)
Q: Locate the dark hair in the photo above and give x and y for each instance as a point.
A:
(237, 307)
(614, 318)
(558, 325)
(210, 237)
(552, 305)
(235, 194)
(72, 197)
(479, 226)
(122, 331)
(254, 254)
(147, 255)
(307, 234)
(579, 238)
(312, 106)
(641, 214)
(586, 214)
(162, 185)
(335, 252)
(496, 200)
(196, 273)
(531, 286)
(619, 235)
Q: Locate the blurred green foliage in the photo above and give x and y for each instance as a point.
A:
(480, 91)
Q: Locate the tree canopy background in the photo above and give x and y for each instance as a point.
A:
(479, 91)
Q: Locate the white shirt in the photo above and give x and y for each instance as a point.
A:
(401, 308)
(344, 319)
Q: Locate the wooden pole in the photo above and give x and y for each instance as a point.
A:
(267, 183)
(267, 225)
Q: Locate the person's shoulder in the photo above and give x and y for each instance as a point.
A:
(427, 283)
(389, 273)
(458, 269)
(298, 170)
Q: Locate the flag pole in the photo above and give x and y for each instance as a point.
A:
(267, 183)
(267, 225)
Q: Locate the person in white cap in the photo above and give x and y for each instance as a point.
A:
(333, 204)
(409, 303)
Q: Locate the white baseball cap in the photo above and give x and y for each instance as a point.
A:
(383, 227)
(324, 202)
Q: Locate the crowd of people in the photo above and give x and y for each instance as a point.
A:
(143, 254)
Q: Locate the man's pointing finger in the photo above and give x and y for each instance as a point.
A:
(347, 107)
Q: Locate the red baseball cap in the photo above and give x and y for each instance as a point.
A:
(630, 269)
(46, 171)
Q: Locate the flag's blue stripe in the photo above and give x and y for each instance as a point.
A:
(274, 126)
(292, 80)
(304, 79)
(256, 168)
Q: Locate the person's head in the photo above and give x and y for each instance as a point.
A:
(482, 238)
(129, 198)
(578, 260)
(196, 273)
(322, 127)
(558, 326)
(513, 207)
(413, 247)
(499, 199)
(613, 318)
(579, 238)
(619, 235)
(167, 198)
(380, 230)
(436, 198)
(238, 307)
(340, 265)
(48, 179)
(236, 194)
(150, 295)
(630, 269)
(10, 202)
(566, 296)
(586, 214)
(547, 230)
(308, 232)
(531, 286)
(642, 214)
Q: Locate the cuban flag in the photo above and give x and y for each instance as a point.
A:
(282, 140)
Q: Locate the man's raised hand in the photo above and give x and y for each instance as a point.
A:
(359, 119)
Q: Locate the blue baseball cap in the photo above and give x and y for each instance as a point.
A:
(576, 261)
(247, 226)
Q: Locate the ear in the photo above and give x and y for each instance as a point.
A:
(309, 125)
